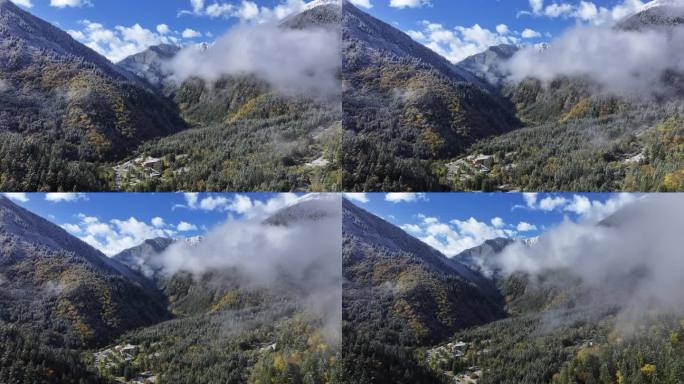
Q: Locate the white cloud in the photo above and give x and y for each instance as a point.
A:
(360, 197)
(70, 3)
(17, 196)
(413, 229)
(23, 3)
(502, 29)
(586, 11)
(530, 33)
(630, 63)
(537, 5)
(186, 227)
(65, 197)
(116, 235)
(409, 3)
(362, 3)
(73, 228)
(456, 236)
(292, 61)
(197, 5)
(526, 227)
(240, 204)
(530, 199)
(163, 29)
(189, 33)
(498, 222)
(581, 205)
(248, 10)
(396, 197)
(158, 222)
(551, 203)
(461, 42)
(118, 43)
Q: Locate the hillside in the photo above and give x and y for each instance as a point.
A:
(400, 294)
(232, 327)
(405, 106)
(61, 288)
(579, 136)
(65, 108)
(247, 135)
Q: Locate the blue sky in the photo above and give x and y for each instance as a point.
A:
(457, 29)
(118, 28)
(453, 28)
(454, 222)
(113, 222)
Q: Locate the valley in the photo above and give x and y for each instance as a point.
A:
(414, 121)
(72, 120)
(405, 321)
(70, 314)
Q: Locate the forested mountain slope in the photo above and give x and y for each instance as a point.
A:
(65, 108)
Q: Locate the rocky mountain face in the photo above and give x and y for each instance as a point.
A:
(68, 105)
(62, 288)
(405, 105)
(657, 13)
(434, 295)
(488, 65)
(399, 293)
(151, 64)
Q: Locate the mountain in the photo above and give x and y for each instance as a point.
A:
(67, 106)
(482, 257)
(399, 293)
(317, 13)
(247, 134)
(142, 258)
(405, 106)
(150, 64)
(58, 286)
(488, 65)
(655, 14)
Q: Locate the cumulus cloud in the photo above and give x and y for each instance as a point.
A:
(65, 197)
(362, 3)
(526, 227)
(246, 10)
(456, 236)
(360, 197)
(581, 205)
(23, 3)
(239, 203)
(292, 61)
(116, 235)
(70, 3)
(584, 11)
(461, 42)
(633, 259)
(190, 33)
(619, 61)
(120, 42)
(186, 227)
(163, 29)
(530, 34)
(301, 255)
(405, 197)
(409, 3)
(17, 196)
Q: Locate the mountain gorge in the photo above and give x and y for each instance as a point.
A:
(601, 319)
(65, 108)
(399, 295)
(404, 105)
(399, 136)
(81, 122)
(70, 314)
